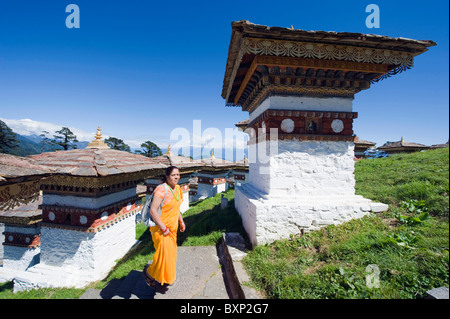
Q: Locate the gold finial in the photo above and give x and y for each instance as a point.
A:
(212, 154)
(98, 143)
(403, 141)
(98, 136)
(169, 152)
(292, 27)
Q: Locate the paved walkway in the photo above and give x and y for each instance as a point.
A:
(199, 275)
(203, 272)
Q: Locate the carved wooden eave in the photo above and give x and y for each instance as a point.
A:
(20, 180)
(272, 60)
(23, 214)
(94, 172)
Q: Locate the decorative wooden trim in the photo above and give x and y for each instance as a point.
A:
(285, 61)
(211, 180)
(326, 51)
(94, 186)
(307, 137)
(88, 220)
(22, 240)
(14, 195)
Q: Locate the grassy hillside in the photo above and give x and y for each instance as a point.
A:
(399, 254)
(416, 176)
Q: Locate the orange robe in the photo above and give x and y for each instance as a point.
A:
(163, 267)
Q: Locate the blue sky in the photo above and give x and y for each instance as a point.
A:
(140, 69)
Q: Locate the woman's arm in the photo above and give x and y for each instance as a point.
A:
(154, 213)
(182, 225)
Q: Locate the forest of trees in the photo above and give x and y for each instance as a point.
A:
(63, 139)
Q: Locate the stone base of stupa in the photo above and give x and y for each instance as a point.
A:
(269, 218)
(300, 187)
(73, 259)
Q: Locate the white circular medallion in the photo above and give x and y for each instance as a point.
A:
(128, 206)
(10, 238)
(104, 215)
(287, 125)
(51, 216)
(337, 126)
(27, 240)
(83, 220)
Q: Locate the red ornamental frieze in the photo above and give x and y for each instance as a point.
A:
(87, 219)
(211, 181)
(296, 123)
(22, 240)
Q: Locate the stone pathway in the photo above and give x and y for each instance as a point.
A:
(201, 274)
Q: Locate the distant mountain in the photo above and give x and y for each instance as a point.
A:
(32, 144)
(26, 147)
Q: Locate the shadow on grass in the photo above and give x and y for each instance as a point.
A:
(6, 286)
(206, 227)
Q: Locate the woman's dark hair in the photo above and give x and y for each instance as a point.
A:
(168, 172)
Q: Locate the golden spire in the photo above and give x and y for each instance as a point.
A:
(98, 136)
(212, 154)
(169, 152)
(98, 143)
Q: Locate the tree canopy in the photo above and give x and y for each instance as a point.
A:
(8, 139)
(117, 144)
(65, 138)
(150, 149)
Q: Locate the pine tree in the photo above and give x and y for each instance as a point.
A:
(8, 139)
(65, 138)
(117, 144)
(150, 149)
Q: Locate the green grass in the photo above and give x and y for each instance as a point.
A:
(332, 263)
(416, 176)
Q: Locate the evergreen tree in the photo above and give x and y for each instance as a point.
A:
(150, 149)
(8, 139)
(117, 144)
(45, 140)
(65, 138)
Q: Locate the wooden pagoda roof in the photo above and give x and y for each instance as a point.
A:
(91, 162)
(402, 146)
(14, 169)
(332, 63)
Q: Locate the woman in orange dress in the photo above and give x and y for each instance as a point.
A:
(164, 234)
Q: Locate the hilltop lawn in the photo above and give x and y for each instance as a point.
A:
(399, 254)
